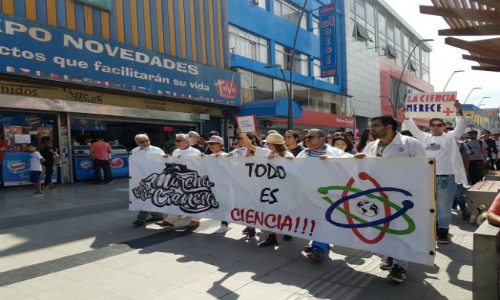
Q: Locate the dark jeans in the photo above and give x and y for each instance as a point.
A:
(106, 167)
(476, 171)
(49, 171)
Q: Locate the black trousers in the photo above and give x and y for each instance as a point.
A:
(49, 171)
(476, 171)
(105, 165)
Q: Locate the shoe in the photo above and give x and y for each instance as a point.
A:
(138, 223)
(245, 231)
(193, 224)
(222, 229)
(442, 234)
(397, 274)
(387, 263)
(37, 194)
(250, 233)
(106, 182)
(165, 224)
(465, 215)
(287, 238)
(270, 241)
(316, 254)
(154, 219)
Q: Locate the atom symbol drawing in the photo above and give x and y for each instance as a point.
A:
(369, 208)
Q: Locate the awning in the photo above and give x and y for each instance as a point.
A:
(276, 108)
(471, 18)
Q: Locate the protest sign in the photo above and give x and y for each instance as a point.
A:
(431, 105)
(247, 124)
(373, 204)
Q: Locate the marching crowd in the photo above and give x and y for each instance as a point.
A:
(457, 155)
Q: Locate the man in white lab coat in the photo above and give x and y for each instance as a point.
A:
(390, 143)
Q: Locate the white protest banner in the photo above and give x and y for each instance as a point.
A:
(431, 105)
(247, 124)
(374, 204)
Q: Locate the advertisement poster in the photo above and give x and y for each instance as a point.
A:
(35, 50)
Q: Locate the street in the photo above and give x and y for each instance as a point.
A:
(77, 242)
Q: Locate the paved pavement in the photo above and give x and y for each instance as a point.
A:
(77, 242)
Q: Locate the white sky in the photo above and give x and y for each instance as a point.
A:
(446, 59)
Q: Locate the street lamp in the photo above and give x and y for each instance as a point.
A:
(476, 88)
(446, 85)
(403, 72)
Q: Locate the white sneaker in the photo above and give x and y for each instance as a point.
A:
(222, 229)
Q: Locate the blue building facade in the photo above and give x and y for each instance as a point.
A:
(261, 33)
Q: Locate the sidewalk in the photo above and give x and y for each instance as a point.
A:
(77, 242)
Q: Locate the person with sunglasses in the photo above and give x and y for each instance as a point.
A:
(144, 146)
(215, 144)
(236, 144)
(183, 149)
(317, 147)
(449, 165)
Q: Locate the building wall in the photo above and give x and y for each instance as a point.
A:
(369, 71)
(243, 14)
(192, 30)
(362, 79)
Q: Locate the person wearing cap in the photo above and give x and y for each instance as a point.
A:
(210, 134)
(183, 149)
(477, 159)
(449, 166)
(144, 146)
(194, 141)
(275, 148)
(216, 143)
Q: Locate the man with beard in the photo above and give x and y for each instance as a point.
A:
(389, 143)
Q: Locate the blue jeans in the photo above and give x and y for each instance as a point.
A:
(446, 187)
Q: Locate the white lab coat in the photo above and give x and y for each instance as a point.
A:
(449, 142)
(400, 145)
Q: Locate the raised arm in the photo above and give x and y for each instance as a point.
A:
(461, 124)
(413, 128)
